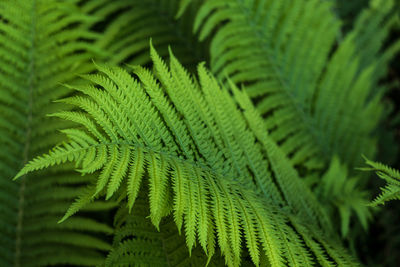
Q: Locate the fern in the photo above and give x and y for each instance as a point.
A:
(391, 190)
(311, 82)
(341, 191)
(29, 81)
(309, 98)
(213, 180)
(126, 35)
(138, 241)
(203, 173)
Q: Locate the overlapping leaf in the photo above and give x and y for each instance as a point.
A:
(206, 164)
(312, 85)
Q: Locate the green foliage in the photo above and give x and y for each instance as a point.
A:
(213, 180)
(342, 193)
(310, 93)
(137, 240)
(348, 10)
(126, 36)
(391, 176)
(29, 80)
(240, 153)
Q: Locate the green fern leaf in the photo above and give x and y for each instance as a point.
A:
(391, 191)
(211, 180)
(335, 186)
(310, 100)
(43, 44)
(126, 36)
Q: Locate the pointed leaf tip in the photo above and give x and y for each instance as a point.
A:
(19, 174)
(64, 218)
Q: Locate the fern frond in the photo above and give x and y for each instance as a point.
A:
(391, 191)
(250, 48)
(358, 94)
(310, 100)
(138, 242)
(211, 175)
(126, 35)
(42, 44)
(340, 190)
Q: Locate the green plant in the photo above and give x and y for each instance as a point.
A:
(191, 169)
(391, 191)
(30, 76)
(213, 180)
(346, 198)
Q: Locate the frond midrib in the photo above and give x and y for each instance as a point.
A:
(307, 120)
(27, 145)
(196, 165)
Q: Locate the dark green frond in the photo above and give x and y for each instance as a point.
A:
(132, 23)
(42, 44)
(311, 93)
(336, 189)
(271, 47)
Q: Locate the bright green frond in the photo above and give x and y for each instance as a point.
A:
(391, 191)
(228, 184)
(137, 242)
